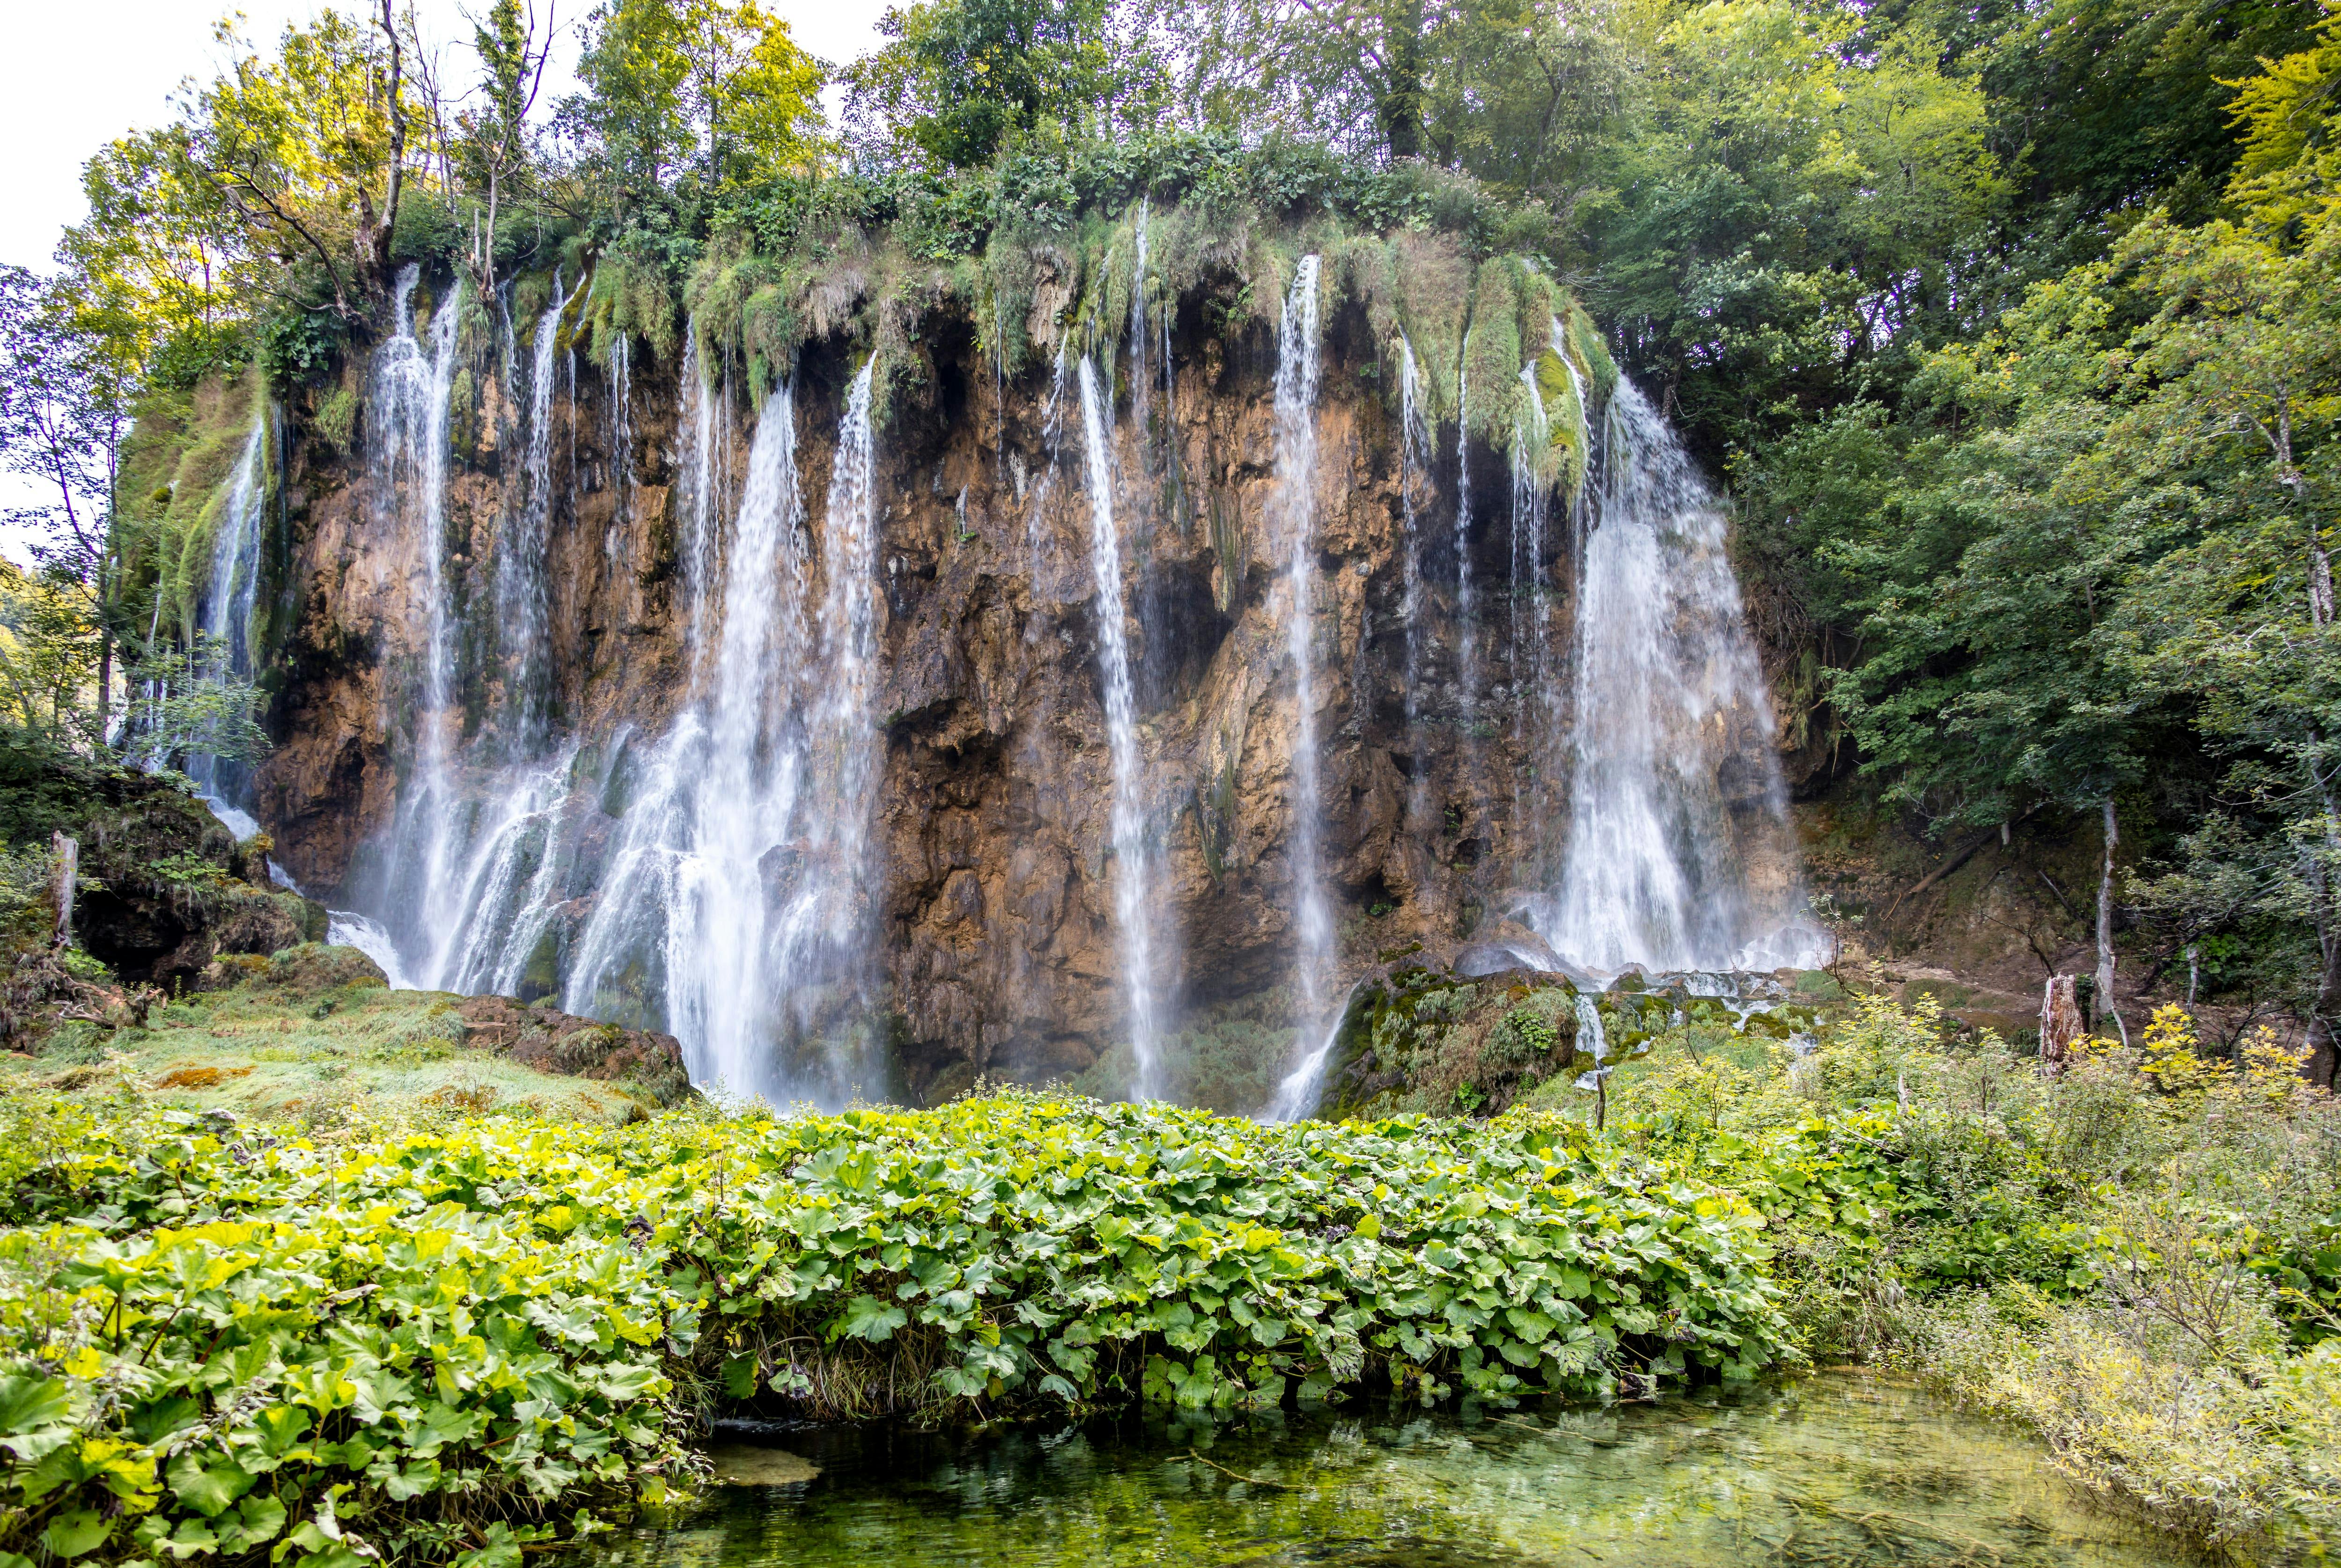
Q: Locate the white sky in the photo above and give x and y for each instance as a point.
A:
(75, 75)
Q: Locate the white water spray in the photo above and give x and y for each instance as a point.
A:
(1679, 855)
(735, 909)
(1133, 869)
(1297, 371)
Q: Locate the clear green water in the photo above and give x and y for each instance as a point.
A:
(1840, 1469)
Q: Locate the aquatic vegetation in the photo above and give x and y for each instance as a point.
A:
(220, 1340)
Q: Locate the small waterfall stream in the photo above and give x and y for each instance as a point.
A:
(1679, 855)
(1133, 871)
(1298, 352)
(1413, 476)
(227, 610)
(235, 553)
(407, 462)
(1532, 616)
(521, 589)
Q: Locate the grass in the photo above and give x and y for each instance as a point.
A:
(315, 1049)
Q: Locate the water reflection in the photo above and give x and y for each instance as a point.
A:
(1842, 1470)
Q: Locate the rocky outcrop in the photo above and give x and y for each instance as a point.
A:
(996, 905)
(555, 1042)
(164, 889)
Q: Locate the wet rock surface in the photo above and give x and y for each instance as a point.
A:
(991, 902)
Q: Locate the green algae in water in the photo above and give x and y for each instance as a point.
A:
(1842, 1470)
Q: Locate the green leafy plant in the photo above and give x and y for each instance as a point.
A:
(394, 1345)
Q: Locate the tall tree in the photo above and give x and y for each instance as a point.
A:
(715, 89)
(959, 78)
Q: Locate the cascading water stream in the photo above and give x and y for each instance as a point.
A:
(1678, 853)
(227, 609)
(1053, 426)
(1531, 618)
(825, 931)
(706, 472)
(621, 446)
(1131, 853)
(1297, 372)
(520, 589)
(1413, 472)
(235, 554)
(1139, 386)
(407, 463)
(735, 908)
(1467, 608)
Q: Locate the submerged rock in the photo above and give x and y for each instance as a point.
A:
(752, 1464)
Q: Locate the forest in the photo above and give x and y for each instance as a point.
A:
(1973, 370)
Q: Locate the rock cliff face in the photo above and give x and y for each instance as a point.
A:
(991, 902)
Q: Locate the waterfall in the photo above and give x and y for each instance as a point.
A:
(406, 458)
(706, 471)
(1679, 855)
(1052, 427)
(520, 589)
(1297, 366)
(735, 910)
(235, 554)
(501, 883)
(1531, 618)
(1467, 647)
(345, 929)
(1413, 472)
(622, 442)
(227, 609)
(1132, 910)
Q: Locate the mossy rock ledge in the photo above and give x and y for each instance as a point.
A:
(552, 1041)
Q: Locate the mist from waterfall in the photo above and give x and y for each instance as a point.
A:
(1298, 355)
(736, 907)
(1680, 854)
(1132, 856)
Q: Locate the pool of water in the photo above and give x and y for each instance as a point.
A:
(1841, 1469)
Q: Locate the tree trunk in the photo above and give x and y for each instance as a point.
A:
(61, 887)
(1402, 104)
(2103, 1001)
(2323, 1057)
(2060, 1022)
(382, 238)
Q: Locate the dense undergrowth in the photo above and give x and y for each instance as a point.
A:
(435, 1336)
(2140, 1258)
(224, 1341)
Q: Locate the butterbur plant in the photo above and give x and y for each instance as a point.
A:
(445, 1344)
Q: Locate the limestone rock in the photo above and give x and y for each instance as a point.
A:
(555, 1042)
